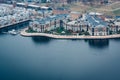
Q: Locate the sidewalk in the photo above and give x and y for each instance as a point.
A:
(23, 33)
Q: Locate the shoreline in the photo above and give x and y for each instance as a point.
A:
(25, 34)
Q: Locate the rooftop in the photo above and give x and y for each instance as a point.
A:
(50, 18)
(94, 21)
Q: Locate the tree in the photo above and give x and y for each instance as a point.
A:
(86, 33)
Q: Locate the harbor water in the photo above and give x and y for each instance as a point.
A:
(36, 58)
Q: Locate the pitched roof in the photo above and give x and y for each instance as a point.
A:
(50, 18)
(94, 21)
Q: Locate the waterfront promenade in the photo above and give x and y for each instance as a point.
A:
(24, 33)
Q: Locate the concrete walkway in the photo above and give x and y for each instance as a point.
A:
(23, 33)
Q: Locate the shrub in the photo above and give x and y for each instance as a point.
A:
(86, 33)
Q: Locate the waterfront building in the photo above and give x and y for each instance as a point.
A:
(96, 26)
(117, 21)
(76, 26)
(114, 25)
(117, 24)
(91, 23)
(48, 23)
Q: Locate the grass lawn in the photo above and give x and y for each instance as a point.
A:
(30, 31)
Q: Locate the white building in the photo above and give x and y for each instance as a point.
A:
(97, 27)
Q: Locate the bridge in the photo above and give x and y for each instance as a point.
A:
(14, 25)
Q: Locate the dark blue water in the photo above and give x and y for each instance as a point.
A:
(35, 58)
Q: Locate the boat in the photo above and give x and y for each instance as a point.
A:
(13, 32)
(4, 32)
